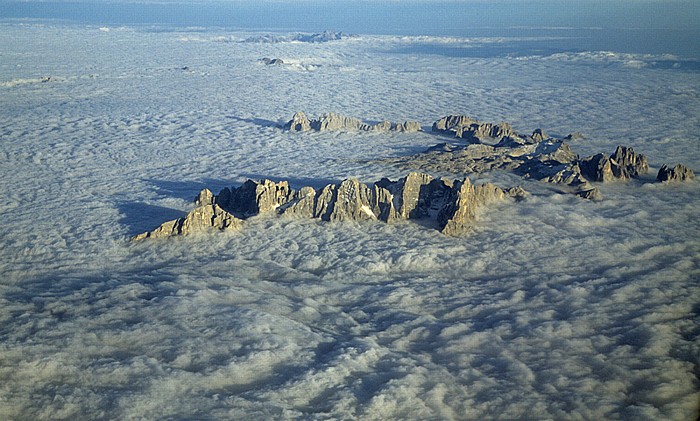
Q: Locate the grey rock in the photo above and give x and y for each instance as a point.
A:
(535, 156)
(451, 204)
(467, 128)
(517, 193)
(626, 163)
(622, 165)
(678, 173)
(333, 121)
(410, 194)
(205, 197)
(303, 204)
(351, 201)
(590, 194)
(201, 219)
(383, 204)
(254, 197)
(408, 127)
(565, 174)
(539, 135)
(452, 123)
(325, 36)
(515, 141)
(558, 151)
(382, 126)
(462, 203)
(597, 168)
(298, 123)
(572, 137)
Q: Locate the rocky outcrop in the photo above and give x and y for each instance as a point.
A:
(623, 164)
(591, 194)
(452, 206)
(461, 205)
(472, 130)
(575, 136)
(208, 215)
(539, 135)
(254, 197)
(536, 156)
(678, 173)
(332, 121)
(298, 123)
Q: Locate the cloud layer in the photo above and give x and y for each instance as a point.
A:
(552, 308)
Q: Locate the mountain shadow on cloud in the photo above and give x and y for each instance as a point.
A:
(138, 217)
(186, 190)
(258, 121)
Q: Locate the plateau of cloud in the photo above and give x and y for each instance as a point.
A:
(555, 308)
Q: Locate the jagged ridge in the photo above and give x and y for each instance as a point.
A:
(331, 121)
(537, 156)
(452, 205)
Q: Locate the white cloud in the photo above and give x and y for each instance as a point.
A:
(553, 308)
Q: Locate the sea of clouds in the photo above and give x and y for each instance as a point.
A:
(554, 307)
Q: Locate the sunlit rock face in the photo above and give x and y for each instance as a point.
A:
(537, 156)
(678, 173)
(298, 123)
(452, 205)
(621, 165)
(206, 216)
(472, 130)
(336, 122)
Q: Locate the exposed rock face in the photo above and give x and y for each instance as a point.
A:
(623, 164)
(591, 194)
(626, 163)
(254, 197)
(206, 216)
(332, 121)
(597, 168)
(538, 135)
(678, 173)
(462, 203)
(574, 136)
(452, 123)
(205, 197)
(407, 126)
(299, 123)
(535, 156)
(452, 205)
(465, 127)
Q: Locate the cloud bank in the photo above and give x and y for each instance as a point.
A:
(555, 308)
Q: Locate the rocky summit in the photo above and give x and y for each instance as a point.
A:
(465, 127)
(331, 121)
(678, 173)
(206, 216)
(537, 156)
(451, 206)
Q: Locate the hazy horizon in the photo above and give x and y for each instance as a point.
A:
(654, 27)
